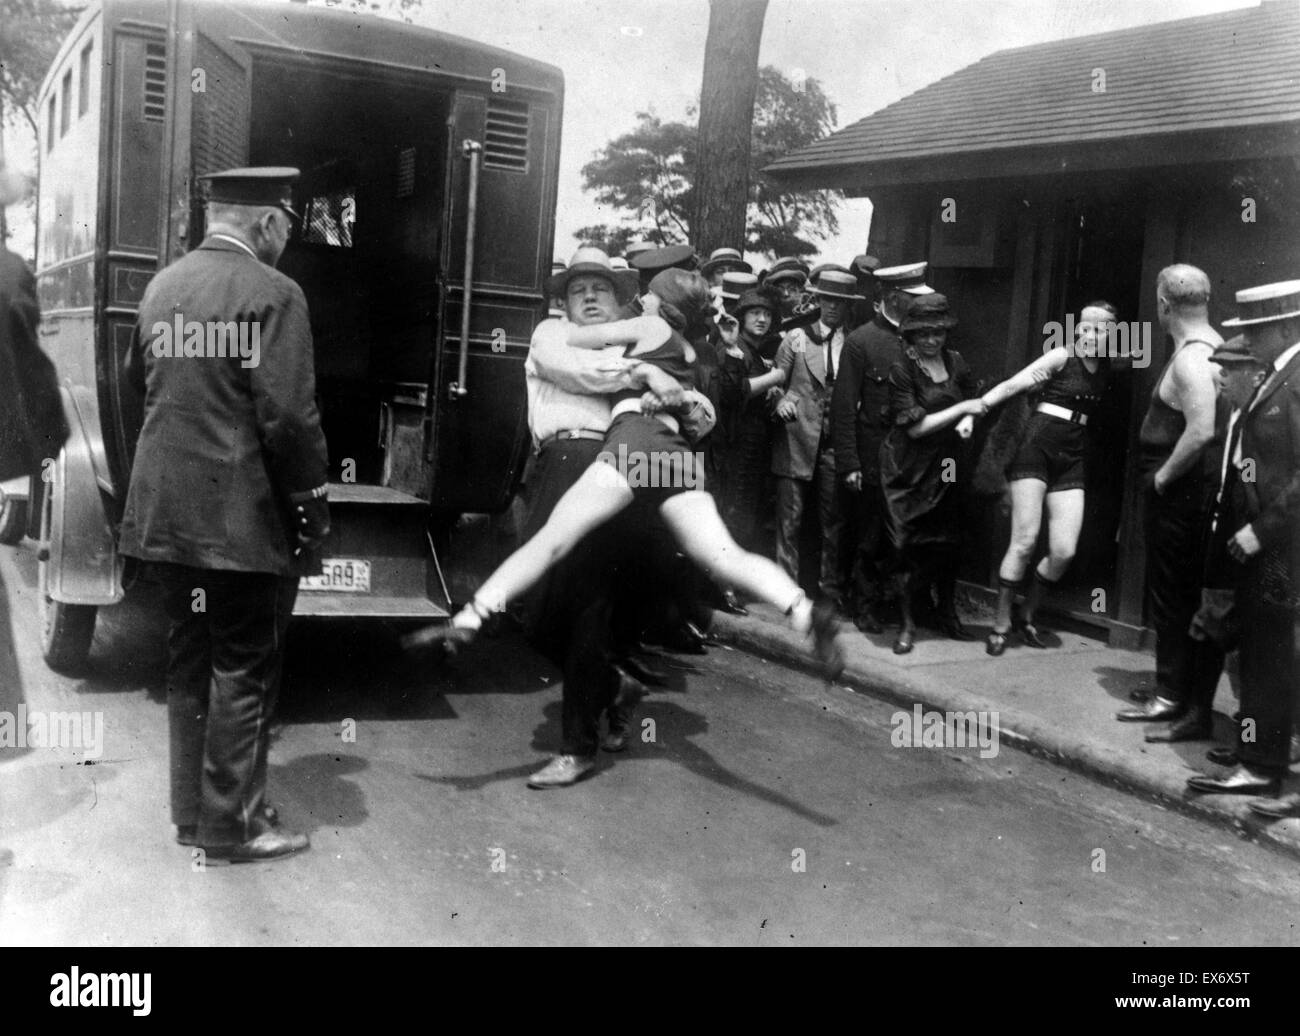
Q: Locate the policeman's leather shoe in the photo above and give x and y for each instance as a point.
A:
(562, 771)
(1242, 781)
(1194, 726)
(1276, 809)
(1155, 711)
(1223, 755)
(731, 603)
(904, 642)
(269, 845)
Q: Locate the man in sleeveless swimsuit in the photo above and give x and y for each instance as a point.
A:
(1180, 474)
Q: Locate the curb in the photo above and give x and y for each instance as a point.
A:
(1019, 730)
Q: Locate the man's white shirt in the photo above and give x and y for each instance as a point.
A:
(569, 388)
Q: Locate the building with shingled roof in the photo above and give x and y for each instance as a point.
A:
(1043, 177)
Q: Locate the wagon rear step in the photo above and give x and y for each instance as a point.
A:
(378, 561)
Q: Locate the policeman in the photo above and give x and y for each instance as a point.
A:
(227, 501)
(859, 424)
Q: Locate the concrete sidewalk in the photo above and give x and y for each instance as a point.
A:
(1059, 704)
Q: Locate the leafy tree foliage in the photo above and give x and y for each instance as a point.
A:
(648, 174)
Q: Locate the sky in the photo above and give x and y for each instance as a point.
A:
(624, 56)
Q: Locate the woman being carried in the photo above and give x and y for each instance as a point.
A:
(642, 448)
(1049, 467)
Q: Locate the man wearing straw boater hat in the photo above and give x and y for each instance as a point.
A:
(568, 616)
(803, 456)
(1260, 504)
(722, 261)
(859, 425)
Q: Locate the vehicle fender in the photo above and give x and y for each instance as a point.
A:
(84, 566)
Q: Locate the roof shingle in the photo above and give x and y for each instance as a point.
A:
(1235, 69)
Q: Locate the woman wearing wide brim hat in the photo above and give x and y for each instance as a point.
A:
(646, 459)
(744, 429)
(934, 400)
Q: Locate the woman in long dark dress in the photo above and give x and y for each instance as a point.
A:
(934, 400)
(744, 413)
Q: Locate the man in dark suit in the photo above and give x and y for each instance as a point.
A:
(1262, 491)
(859, 424)
(803, 456)
(226, 501)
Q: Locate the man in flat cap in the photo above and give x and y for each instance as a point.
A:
(1261, 524)
(226, 501)
(859, 424)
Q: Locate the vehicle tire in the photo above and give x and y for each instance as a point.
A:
(13, 521)
(66, 629)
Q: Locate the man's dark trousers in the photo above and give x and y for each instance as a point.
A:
(1187, 670)
(569, 615)
(225, 651)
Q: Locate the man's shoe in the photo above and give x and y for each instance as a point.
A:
(1155, 711)
(616, 739)
(904, 642)
(1277, 809)
(269, 845)
(731, 603)
(1194, 726)
(1242, 781)
(826, 647)
(562, 771)
(1223, 755)
(685, 639)
(640, 669)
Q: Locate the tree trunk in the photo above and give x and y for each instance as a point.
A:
(726, 123)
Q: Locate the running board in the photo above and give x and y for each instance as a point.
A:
(356, 606)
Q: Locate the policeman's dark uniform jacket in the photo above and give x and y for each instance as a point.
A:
(1267, 437)
(230, 455)
(32, 425)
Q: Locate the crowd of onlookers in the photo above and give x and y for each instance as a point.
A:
(840, 405)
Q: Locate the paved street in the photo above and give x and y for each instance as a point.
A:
(424, 832)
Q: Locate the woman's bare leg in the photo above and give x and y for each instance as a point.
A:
(693, 519)
(1026, 520)
(599, 494)
(1064, 523)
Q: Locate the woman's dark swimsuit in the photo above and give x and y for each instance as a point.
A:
(656, 461)
(1054, 449)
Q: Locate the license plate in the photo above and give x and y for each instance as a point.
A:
(339, 574)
